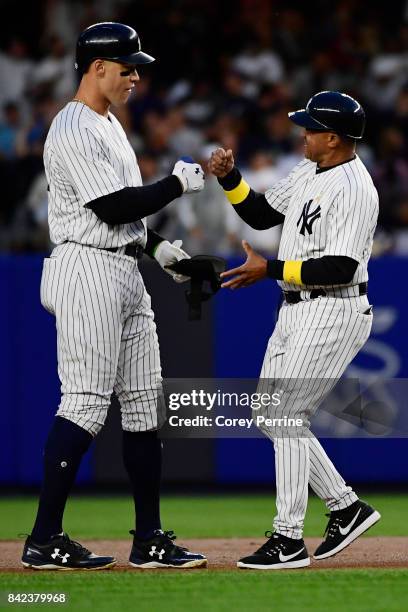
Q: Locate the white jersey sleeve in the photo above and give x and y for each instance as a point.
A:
(87, 156)
(351, 222)
(84, 159)
(280, 194)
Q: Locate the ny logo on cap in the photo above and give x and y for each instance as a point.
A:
(308, 217)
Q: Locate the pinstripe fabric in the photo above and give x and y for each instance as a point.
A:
(87, 156)
(310, 348)
(344, 203)
(106, 337)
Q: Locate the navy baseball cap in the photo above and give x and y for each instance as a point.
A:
(332, 111)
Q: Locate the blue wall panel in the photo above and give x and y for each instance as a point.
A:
(28, 371)
(243, 322)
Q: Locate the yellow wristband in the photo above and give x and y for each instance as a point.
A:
(292, 272)
(238, 195)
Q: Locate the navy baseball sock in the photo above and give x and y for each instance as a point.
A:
(142, 459)
(65, 446)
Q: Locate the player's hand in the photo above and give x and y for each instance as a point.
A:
(167, 254)
(190, 175)
(253, 270)
(221, 162)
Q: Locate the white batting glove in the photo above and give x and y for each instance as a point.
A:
(167, 254)
(190, 174)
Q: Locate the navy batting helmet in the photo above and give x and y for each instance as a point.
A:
(112, 41)
(332, 111)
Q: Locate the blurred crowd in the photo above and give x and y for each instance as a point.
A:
(225, 74)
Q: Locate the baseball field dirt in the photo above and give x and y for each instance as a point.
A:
(369, 576)
(222, 554)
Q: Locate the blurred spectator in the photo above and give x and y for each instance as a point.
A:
(166, 220)
(55, 74)
(259, 64)
(156, 135)
(386, 77)
(183, 137)
(260, 175)
(143, 101)
(319, 75)
(37, 202)
(390, 174)
(226, 73)
(398, 116)
(9, 129)
(29, 227)
(285, 162)
(34, 133)
(236, 97)
(203, 217)
(15, 72)
(200, 104)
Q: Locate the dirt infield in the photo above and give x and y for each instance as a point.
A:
(222, 554)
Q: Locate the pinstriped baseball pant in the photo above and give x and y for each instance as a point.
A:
(314, 339)
(106, 337)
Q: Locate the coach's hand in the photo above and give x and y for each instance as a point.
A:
(167, 254)
(221, 162)
(253, 270)
(190, 175)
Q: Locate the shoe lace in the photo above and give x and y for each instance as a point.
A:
(167, 536)
(332, 526)
(75, 546)
(273, 543)
(171, 536)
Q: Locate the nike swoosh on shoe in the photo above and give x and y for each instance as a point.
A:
(345, 530)
(284, 558)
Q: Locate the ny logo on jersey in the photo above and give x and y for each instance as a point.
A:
(308, 217)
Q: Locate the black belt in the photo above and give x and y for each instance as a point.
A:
(293, 297)
(132, 250)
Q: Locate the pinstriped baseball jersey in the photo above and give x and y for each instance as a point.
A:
(331, 212)
(106, 335)
(87, 156)
(327, 212)
(314, 340)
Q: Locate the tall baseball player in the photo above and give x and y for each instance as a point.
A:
(328, 206)
(92, 284)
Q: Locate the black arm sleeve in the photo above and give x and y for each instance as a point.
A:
(133, 203)
(254, 210)
(326, 270)
(153, 240)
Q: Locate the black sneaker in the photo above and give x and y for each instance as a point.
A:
(278, 552)
(160, 551)
(61, 553)
(344, 527)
